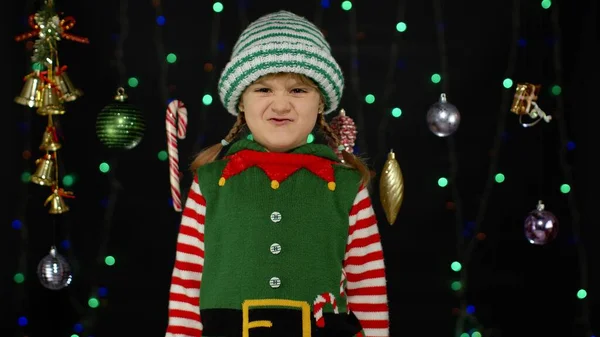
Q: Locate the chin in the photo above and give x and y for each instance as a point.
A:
(282, 146)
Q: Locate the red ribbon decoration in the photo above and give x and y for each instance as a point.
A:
(68, 23)
(53, 132)
(65, 24)
(65, 194)
(34, 32)
(60, 70)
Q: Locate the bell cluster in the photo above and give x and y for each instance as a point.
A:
(47, 92)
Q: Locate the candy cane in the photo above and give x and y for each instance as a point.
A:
(175, 110)
(319, 303)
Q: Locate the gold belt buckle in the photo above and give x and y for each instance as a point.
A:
(247, 325)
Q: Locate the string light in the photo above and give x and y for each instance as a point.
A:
(104, 167)
(354, 77)
(465, 311)
(88, 320)
(401, 27)
(546, 4)
(207, 99)
(133, 82)
(218, 7)
(583, 317)
(171, 58)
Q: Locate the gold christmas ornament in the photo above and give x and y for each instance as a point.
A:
(57, 202)
(45, 173)
(51, 104)
(524, 104)
(31, 95)
(50, 140)
(68, 91)
(391, 188)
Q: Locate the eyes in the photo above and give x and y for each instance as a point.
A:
(265, 90)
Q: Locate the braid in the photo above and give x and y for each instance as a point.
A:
(211, 153)
(237, 128)
(328, 131)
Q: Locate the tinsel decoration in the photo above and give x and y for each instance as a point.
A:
(391, 188)
(345, 129)
(47, 26)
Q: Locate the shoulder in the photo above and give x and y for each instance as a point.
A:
(214, 167)
(209, 174)
(348, 179)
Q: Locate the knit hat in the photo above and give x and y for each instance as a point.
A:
(281, 42)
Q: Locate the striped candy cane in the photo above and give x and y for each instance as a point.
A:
(175, 110)
(319, 303)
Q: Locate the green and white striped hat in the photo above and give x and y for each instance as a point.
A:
(281, 42)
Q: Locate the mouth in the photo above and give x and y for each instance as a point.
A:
(280, 121)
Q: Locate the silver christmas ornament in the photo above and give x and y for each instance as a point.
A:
(443, 118)
(54, 271)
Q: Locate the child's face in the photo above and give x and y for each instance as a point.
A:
(280, 111)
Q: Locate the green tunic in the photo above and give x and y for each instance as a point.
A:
(274, 240)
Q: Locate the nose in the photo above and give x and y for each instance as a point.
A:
(281, 105)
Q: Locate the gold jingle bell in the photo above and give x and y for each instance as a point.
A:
(30, 94)
(57, 203)
(68, 91)
(45, 172)
(50, 104)
(49, 140)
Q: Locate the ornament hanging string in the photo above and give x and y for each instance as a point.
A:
(66, 23)
(176, 113)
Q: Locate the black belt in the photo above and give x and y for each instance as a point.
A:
(285, 323)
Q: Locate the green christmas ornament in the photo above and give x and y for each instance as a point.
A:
(120, 125)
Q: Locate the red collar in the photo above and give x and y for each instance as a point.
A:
(278, 166)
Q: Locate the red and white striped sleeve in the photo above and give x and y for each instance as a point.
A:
(364, 269)
(184, 296)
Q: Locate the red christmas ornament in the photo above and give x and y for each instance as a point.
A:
(345, 129)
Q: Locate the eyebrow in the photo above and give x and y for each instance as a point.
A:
(295, 84)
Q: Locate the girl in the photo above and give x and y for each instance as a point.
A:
(279, 238)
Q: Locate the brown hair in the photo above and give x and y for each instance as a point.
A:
(211, 153)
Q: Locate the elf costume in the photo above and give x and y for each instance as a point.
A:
(278, 244)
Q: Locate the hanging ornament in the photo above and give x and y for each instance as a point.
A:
(120, 125)
(56, 201)
(68, 91)
(54, 271)
(391, 188)
(345, 128)
(443, 118)
(524, 104)
(31, 93)
(541, 226)
(176, 125)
